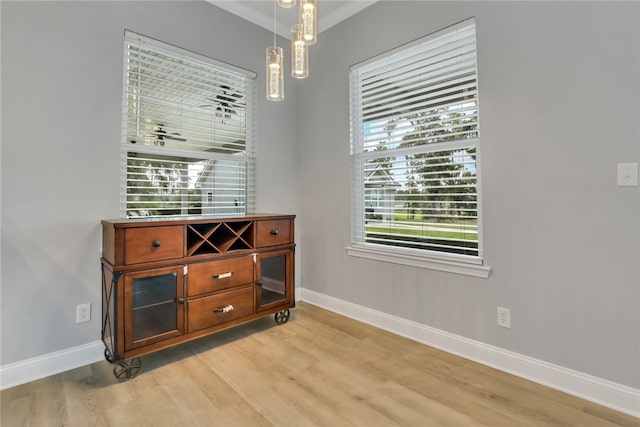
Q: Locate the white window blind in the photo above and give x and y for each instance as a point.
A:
(415, 148)
(188, 133)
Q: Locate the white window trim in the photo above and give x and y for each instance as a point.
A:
(248, 158)
(468, 267)
(446, 262)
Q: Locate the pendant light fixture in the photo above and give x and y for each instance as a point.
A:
(287, 3)
(275, 66)
(303, 34)
(299, 54)
(308, 19)
(275, 77)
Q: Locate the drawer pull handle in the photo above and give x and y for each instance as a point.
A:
(180, 300)
(223, 275)
(156, 244)
(275, 232)
(224, 309)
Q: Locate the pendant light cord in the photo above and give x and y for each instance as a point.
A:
(275, 12)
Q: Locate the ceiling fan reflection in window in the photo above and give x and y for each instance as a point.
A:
(159, 136)
(223, 103)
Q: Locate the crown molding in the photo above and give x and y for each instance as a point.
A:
(252, 15)
(283, 29)
(346, 10)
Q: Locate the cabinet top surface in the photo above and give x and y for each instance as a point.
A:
(128, 222)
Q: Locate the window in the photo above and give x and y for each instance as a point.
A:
(415, 146)
(187, 139)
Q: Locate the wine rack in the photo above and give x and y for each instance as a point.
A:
(219, 237)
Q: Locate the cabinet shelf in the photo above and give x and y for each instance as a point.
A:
(269, 297)
(144, 307)
(154, 290)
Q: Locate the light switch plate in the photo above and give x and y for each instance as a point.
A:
(627, 174)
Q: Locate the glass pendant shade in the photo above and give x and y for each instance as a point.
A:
(308, 20)
(287, 3)
(299, 54)
(275, 74)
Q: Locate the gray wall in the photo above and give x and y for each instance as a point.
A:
(559, 107)
(61, 119)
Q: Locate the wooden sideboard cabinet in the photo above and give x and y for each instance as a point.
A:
(168, 281)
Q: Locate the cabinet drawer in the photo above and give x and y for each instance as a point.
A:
(204, 277)
(152, 244)
(273, 232)
(220, 308)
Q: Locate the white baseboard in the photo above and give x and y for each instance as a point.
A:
(49, 364)
(612, 395)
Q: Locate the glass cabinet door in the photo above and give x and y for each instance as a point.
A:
(274, 279)
(154, 306)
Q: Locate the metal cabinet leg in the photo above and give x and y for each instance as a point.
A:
(125, 370)
(282, 317)
(107, 355)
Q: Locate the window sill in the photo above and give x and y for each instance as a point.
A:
(468, 268)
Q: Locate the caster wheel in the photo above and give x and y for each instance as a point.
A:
(109, 356)
(282, 317)
(127, 370)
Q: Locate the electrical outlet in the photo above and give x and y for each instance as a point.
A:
(627, 174)
(504, 317)
(83, 312)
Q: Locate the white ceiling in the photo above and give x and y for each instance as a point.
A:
(261, 12)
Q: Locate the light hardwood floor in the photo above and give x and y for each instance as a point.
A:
(319, 369)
